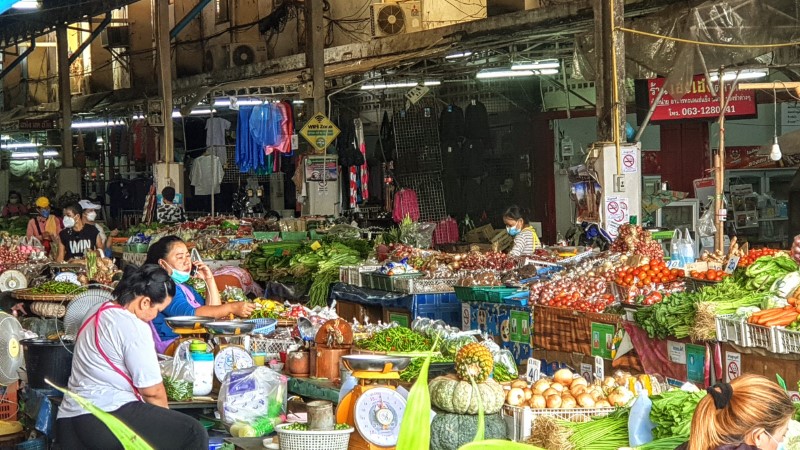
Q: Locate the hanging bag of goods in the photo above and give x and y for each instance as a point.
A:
(446, 232)
(405, 204)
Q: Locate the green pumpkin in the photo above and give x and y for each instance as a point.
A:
(450, 394)
(451, 431)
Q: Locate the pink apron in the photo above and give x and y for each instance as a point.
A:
(96, 318)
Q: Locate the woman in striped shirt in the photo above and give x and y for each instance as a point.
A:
(517, 226)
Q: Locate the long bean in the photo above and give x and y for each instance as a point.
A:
(397, 339)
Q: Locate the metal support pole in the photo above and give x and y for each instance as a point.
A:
(191, 15)
(165, 77)
(650, 114)
(315, 52)
(64, 96)
(719, 173)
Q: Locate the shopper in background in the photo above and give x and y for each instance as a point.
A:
(171, 253)
(76, 237)
(14, 207)
(168, 211)
(750, 413)
(44, 227)
(517, 226)
(115, 367)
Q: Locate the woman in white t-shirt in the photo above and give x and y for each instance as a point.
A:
(115, 367)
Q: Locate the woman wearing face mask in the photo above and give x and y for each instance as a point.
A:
(44, 227)
(525, 238)
(14, 207)
(90, 217)
(114, 366)
(750, 413)
(76, 237)
(170, 252)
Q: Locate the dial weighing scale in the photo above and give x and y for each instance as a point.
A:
(189, 329)
(229, 354)
(373, 407)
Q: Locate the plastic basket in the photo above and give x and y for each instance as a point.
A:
(497, 295)
(519, 421)
(732, 328)
(425, 285)
(467, 293)
(271, 347)
(763, 337)
(788, 340)
(263, 326)
(352, 274)
(381, 282)
(8, 402)
(313, 440)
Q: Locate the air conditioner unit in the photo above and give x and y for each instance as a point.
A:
(225, 56)
(116, 37)
(389, 19)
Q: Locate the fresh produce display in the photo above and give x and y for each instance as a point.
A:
(501, 373)
(765, 271)
(588, 293)
(710, 275)
(636, 240)
(458, 396)
(411, 372)
(674, 316)
(654, 272)
(451, 431)
(672, 413)
(14, 226)
(302, 426)
(233, 294)
(568, 391)
(753, 255)
(787, 316)
(721, 258)
(395, 339)
(484, 278)
(474, 362)
(453, 345)
(57, 287)
(600, 433)
(178, 390)
(267, 309)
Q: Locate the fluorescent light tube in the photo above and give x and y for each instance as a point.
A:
(746, 74)
(458, 55)
(503, 73)
(544, 64)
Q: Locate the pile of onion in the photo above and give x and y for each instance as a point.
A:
(566, 391)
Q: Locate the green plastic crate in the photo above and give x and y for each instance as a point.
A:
(294, 236)
(496, 295)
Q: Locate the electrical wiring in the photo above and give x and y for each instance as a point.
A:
(707, 44)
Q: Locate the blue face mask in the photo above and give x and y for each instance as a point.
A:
(512, 231)
(781, 445)
(45, 213)
(179, 276)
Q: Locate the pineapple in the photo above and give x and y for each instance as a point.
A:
(475, 361)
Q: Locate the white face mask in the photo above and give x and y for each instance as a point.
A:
(91, 215)
(69, 222)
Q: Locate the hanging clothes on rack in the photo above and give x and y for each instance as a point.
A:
(215, 137)
(363, 180)
(476, 121)
(206, 175)
(249, 155)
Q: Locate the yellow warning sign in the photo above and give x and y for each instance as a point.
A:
(319, 132)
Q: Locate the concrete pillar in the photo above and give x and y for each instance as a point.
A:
(165, 77)
(64, 96)
(315, 51)
(610, 51)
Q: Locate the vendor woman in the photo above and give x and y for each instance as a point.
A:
(115, 367)
(517, 226)
(170, 252)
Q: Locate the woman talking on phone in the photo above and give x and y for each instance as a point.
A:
(171, 253)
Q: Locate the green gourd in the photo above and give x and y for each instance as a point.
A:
(451, 431)
(450, 394)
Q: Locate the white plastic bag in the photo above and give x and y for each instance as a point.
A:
(706, 225)
(178, 375)
(675, 246)
(687, 250)
(252, 401)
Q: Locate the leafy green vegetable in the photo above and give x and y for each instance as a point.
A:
(672, 413)
(601, 433)
(411, 372)
(395, 339)
(127, 437)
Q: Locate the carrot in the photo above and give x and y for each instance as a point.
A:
(781, 321)
(768, 315)
(792, 301)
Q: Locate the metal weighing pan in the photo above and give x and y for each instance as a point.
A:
(190, 322)
(229, 327)
(375, 363)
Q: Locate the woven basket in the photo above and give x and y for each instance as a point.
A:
(26, 294)
(566, 330)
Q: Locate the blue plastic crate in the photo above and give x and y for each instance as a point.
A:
(39, 443)
(450, 315)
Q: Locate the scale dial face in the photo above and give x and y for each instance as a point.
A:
(229, 358)
(378, 413)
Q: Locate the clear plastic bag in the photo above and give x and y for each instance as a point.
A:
(252, 401)
(706, 225)
(687, 248)
(178, 375)
(675, 246)
(505, 369)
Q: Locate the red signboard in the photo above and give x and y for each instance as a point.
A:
(698, 103)
(748, 157)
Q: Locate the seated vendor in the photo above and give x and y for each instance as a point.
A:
(170, 252)
(115, 367)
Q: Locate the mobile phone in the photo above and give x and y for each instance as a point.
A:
(195, 256)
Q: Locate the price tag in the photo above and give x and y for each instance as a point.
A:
(295, 142)
(732, 263)
(674, 264)
(534, 369)
(714, 266)
(697, 267)
(599, 368)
